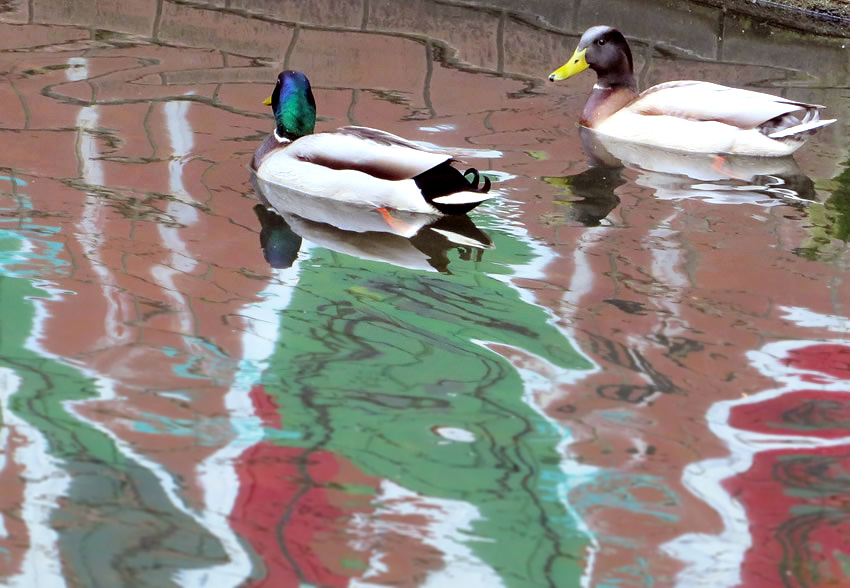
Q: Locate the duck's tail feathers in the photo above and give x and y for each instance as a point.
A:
(803, 127)
(450, 191)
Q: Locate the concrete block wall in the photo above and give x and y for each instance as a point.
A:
(522, 41)
(485, 34)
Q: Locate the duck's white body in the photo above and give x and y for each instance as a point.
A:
(703, 117)
(686, 115)
(365, 167)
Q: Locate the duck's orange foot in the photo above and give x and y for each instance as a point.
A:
(398, 226)
(721, 166)
(717, 164)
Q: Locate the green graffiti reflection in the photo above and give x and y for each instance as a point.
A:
(373, 359)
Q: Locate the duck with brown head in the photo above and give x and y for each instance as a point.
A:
(685, 115)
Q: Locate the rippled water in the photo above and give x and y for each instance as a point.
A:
(629, 369)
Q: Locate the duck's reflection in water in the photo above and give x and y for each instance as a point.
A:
(719, 179)
(724, 179)
(280, 244)
(409, 240)
(591, 195)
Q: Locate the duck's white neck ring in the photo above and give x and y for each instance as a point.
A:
(598, 86)
(280, 139)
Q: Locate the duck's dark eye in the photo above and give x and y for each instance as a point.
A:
(600, 41)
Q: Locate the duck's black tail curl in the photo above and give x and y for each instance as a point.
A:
(444, 180)
(473, 183)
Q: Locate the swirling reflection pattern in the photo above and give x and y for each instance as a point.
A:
(791, 454)
(389, 377)
(372, 435)
(388, 400)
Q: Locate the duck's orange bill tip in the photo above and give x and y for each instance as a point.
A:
(576, 64)
(268, 101)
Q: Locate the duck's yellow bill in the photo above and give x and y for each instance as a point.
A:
(576, 64)
(268, 101)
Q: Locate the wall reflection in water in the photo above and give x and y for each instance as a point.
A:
(392, 375)
(615, 375)
(781, 488)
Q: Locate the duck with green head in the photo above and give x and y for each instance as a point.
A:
(684, 115)
(358, 165)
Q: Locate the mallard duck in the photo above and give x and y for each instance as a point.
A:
(686, 115)
(358, 165)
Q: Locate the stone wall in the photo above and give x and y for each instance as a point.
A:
(503, 36)
(523, 41)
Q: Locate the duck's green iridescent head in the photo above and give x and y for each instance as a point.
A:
(293, 105)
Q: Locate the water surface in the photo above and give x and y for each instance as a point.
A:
(627, 371)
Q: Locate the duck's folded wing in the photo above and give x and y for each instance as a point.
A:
(379, 136)
(704, 101)
(371, 151)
